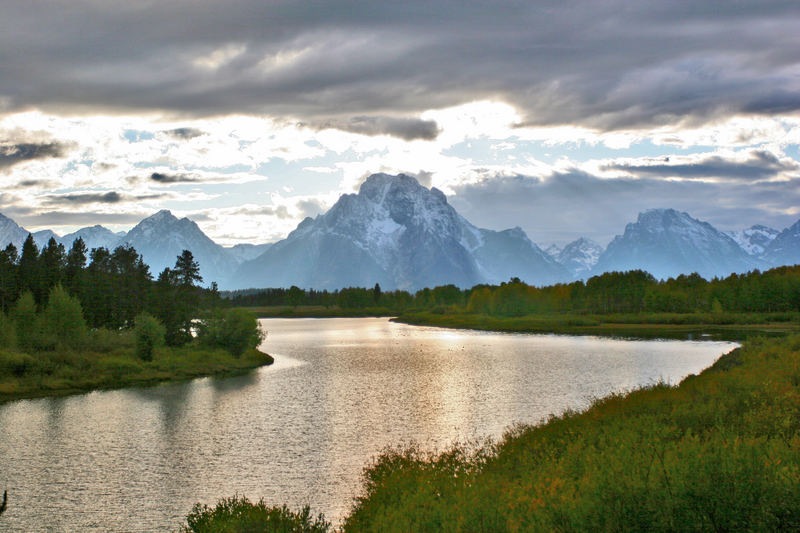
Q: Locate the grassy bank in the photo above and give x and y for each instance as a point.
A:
(316, 311)
(641, 325)
(109, 361)
(720, 452)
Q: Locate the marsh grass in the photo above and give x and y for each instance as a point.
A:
(109, 360)
(720, 452)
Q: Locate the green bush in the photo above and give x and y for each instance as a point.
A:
(236, 330)
(149, 334)
(238, 514)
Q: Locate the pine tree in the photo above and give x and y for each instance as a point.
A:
(9, 289)
(28, 276)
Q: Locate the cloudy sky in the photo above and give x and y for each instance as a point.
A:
(565, 118)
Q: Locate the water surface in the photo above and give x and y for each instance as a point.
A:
(301, 430)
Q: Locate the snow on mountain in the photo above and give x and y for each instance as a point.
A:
(162, 237)
(94, 237)
(755, 239)
(667, 243)
(580, 256)
(41, 238)
(11, 232)
(553, 250)
(400, 234)
(785, 247)
(245, 252)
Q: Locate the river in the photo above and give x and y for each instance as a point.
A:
(300, 431)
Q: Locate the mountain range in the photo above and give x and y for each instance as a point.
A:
(403, 235)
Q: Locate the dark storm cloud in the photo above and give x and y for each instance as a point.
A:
(161, 177)
(11, 154)
(606, 64)
(760, 165)
(408, 129)
(185, 133)
(563, 206)
(111, 197)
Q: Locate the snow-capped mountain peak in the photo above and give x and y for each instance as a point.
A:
(580, 256)
(667, 243)
(755, 239)
(402, 235)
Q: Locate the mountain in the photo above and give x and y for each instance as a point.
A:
(580, 256)
(41, 238)
(785, 247)
(755, 239)
(667, 243)
(402, 235)
(245, 252)
(94, 237)
(160, 238)
(553, 250)
(11, 232)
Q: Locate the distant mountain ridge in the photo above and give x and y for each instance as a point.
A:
(400, 234)
(666, 243)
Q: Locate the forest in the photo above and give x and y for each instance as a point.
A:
(78, 319)
(636, 291)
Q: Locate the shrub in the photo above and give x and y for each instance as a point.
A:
(239, 514)
(149, 334)
(236, 330)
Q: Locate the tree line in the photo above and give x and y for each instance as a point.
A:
(634, 291)
(112, 287)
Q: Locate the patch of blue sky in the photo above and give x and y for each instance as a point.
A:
(138, 135)
(487, 151)
(793, 151)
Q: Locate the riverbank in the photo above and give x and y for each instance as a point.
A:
(718, 452)
(111, 363)
(317, 311)
(727, 326)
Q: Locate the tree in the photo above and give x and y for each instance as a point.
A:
(9, 289)
(52, 261)
(24, 314)
(376, 293)
(187, 270)
(75, 264)
(28, 278)
(62, 319)
(149, 334)
(236, 330)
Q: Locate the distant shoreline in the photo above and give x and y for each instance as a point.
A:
(170, 365)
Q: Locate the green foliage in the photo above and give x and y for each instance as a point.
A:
(235, 330)
(8, 334)
(62, 320)
(238, 514)
(149, 335)
(24, 315)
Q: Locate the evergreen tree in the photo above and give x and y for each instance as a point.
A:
(9, 290)
(52, 262)
(75, 265)
(28, 276)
